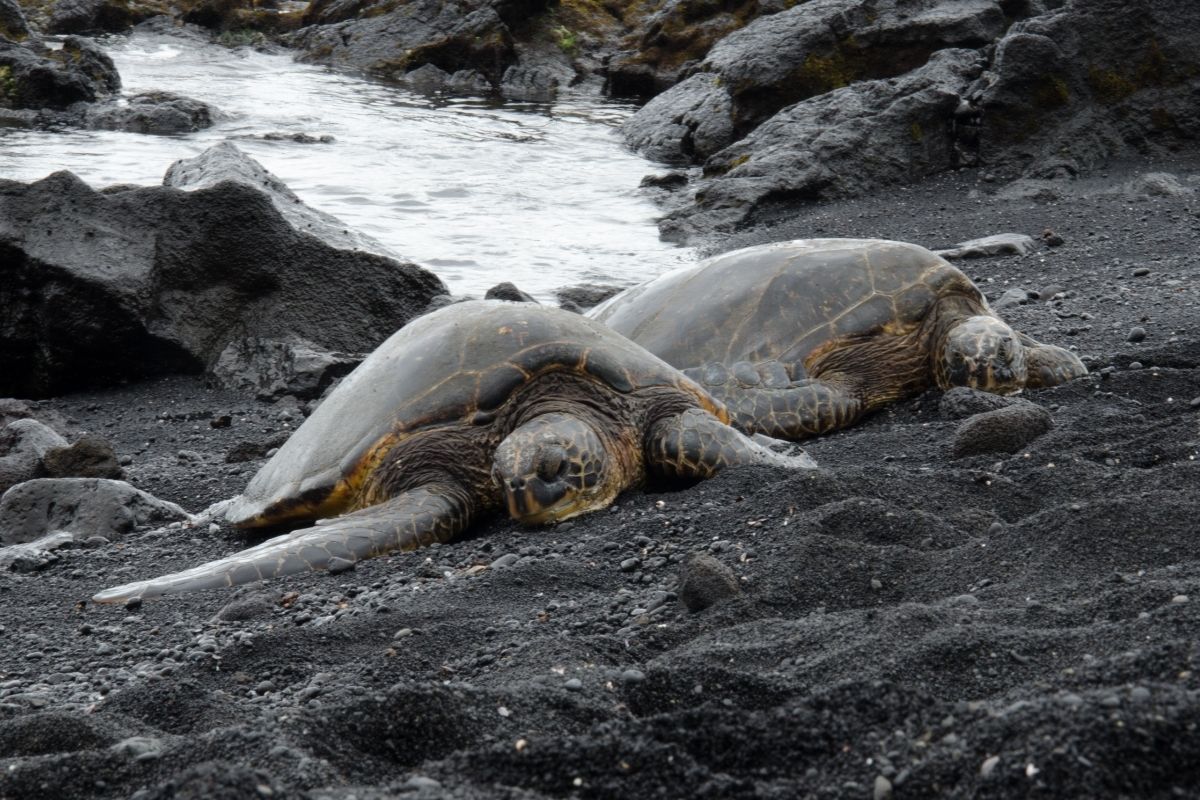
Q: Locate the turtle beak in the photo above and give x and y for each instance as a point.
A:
(531, 500)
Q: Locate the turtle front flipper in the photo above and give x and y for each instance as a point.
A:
(761, 398)
(413, 519)
(695, 445)
(1049, 365)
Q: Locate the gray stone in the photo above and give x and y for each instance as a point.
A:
(86, 506)
(1005, 430)
(688, 123)
(30, 556)
(1000, 244)
(176, 276)
(704, 580)
(12, 409)
(962, 402)
(1157, 184)
(23, 447)
(508, 291)
(586, 295)
(88, 457)
(1011, 297)
(271, 369)
(1039, 191)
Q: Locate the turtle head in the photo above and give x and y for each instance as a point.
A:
(554, 467)
(982, 352)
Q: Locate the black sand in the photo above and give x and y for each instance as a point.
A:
(909, 625)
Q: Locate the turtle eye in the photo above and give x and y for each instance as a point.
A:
(550, 463)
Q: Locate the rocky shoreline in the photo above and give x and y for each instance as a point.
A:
(910, 620)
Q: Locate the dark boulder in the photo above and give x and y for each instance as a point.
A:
(160, 113)
(839, 144)
(98, 16)
(508, 291)
(225, 162)
(807, 51)
(1089, 81)
(13, 25)
(392, 40)
(33, 76)
(676, 36)
(96, 288)
(585, 295)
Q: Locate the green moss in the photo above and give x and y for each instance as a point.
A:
(1161, 119)
(1108, 86)
(820, 74)
(737, 162)
(241, 37)
(915, 132)
(565, 39)
(1051, 92)
(8, 84)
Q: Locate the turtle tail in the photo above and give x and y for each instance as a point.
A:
(413, 519)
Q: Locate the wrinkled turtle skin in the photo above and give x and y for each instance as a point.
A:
(800, 338)
(475, 408)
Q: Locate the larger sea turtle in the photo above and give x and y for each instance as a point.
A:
(479, 406)
(803, 337)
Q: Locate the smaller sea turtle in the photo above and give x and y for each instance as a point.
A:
(476, 407)
(804, 337)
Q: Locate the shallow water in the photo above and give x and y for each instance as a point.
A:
(480, 193)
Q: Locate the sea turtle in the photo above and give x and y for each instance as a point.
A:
(800, 338)
(478, 406)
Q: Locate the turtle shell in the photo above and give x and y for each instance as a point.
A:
(782, 301)
(455, 366)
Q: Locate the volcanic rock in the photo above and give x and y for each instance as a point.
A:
(86, 506)
(89, 457)
(1004, 430)
(175, 276)
(160, 113)
(23, 447)
(33, 76)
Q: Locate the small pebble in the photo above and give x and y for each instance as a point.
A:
(573, 685)
(1179, 598)
(1139, 694)
(339, 565)
(1136, 334)
(1136, 365)
(1140, 271)
(989, 766)
(1195, 403)
(883, 788)
(630, 564)
(633, 676)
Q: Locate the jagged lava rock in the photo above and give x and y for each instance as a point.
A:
(96, 287)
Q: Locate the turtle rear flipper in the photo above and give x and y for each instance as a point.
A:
(412, 519)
